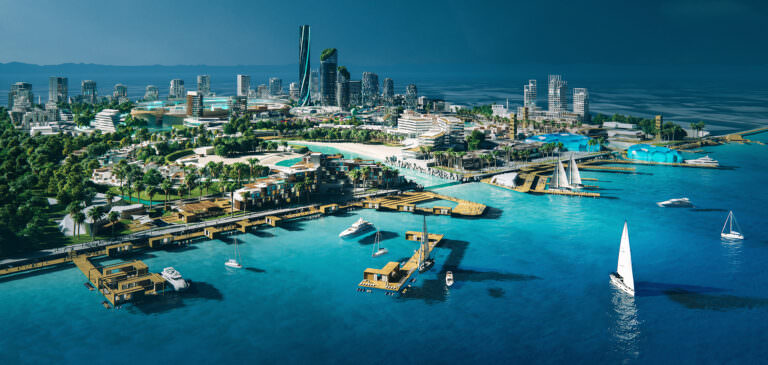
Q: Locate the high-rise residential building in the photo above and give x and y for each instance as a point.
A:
(204, 85)
(21, 91)
(304, 70)
(243, 85)
(411, 97)
(355, 92)
(342, 88)
(557, 97)
(88, 91)
(388, 89)
(329, 60)
(194, 103)
(177, 90)
(529, 95)
(121, 91)
(370, 88)
(151, 93)
(275, 86)
(314, 86)
(58, 89)
(581, 103)
(106, 120)
(293, 90)
(262, 92)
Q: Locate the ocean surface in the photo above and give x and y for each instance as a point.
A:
(726, 98)
(531, 285)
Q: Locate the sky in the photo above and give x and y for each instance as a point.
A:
(392, 32)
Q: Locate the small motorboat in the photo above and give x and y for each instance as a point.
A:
(676, 203)
(449, 278)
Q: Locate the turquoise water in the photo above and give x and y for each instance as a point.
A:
(531, 285)
(571, 142)
(646, 152)
(289, 162)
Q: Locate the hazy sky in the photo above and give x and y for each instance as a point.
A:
(378, 32)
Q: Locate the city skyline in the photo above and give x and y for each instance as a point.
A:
(652, 32)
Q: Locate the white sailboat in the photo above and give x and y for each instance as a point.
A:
(574, 177)
(559, 177)
(623, 278)
(377, 249)
(235, 261)
(424, 261)
(728, 232)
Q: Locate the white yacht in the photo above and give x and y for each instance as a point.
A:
(676, 203)
(361, 226)
(623, 277)
(449, 278)
(174, 278)
(728, 232)
(704, 161)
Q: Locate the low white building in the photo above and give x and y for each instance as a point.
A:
(106, 121)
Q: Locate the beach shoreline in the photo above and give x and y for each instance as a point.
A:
(376, 152)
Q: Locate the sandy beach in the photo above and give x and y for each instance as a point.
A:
(265, 159)
(377, 152)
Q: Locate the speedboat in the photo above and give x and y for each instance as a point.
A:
(361, 226)
(676, 203)
(703, 161)
(449, 278)
(233, 264)
(174, 278)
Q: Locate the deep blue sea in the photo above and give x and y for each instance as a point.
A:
(531, 286)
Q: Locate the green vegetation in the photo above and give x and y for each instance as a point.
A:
(484, 110)
(173, 156)
(344, 72)
(475, 139)
(669, 130)
(328, 52)
(348, 135)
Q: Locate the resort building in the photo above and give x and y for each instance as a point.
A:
(194, 104)
(106, 121)
(412, 124)
(194, 212)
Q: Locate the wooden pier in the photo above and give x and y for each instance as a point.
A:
(394, 276)
(406, 202)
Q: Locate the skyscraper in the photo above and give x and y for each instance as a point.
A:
(370, 88)
(388, 89)
(581, 103)
(342, 88)
(194, 103)
(204, 85)
(355, 92)
(411, 97)
(558, 98)
(293, 90)
(151, 93)
(304, 70)
(20, 91)
(243, 85)
(121, 91)
(58, 89)
(314, 86)
(529, 95)
(328, 62)
(88, 91)
(177, 90)
(275, 86)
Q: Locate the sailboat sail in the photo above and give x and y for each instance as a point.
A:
(574, 177)
(624, 267)
(423, 255)
(559, 178)
(729, 223)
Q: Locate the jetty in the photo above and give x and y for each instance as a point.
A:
(407, 202)
(394, 275)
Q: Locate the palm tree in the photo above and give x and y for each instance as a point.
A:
(355, 176)
(366, 173)
(190, 181)
(113, 217)
(253, 162)
(151, 192)
(140, 187)
(206, 184)
(231, 187)
(73, 209)
(95, 214)
(244, 195)
(110, 196)
(79, 218)
(166, 186)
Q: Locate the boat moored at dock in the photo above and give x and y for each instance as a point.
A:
(174, 278)
(703, 161)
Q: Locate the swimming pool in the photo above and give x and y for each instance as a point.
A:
(572, 142)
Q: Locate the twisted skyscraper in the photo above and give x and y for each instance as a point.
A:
(304, 70)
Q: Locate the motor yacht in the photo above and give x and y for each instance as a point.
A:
(703, 161)
(174, 278)
(361, 226)
(676, 203)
